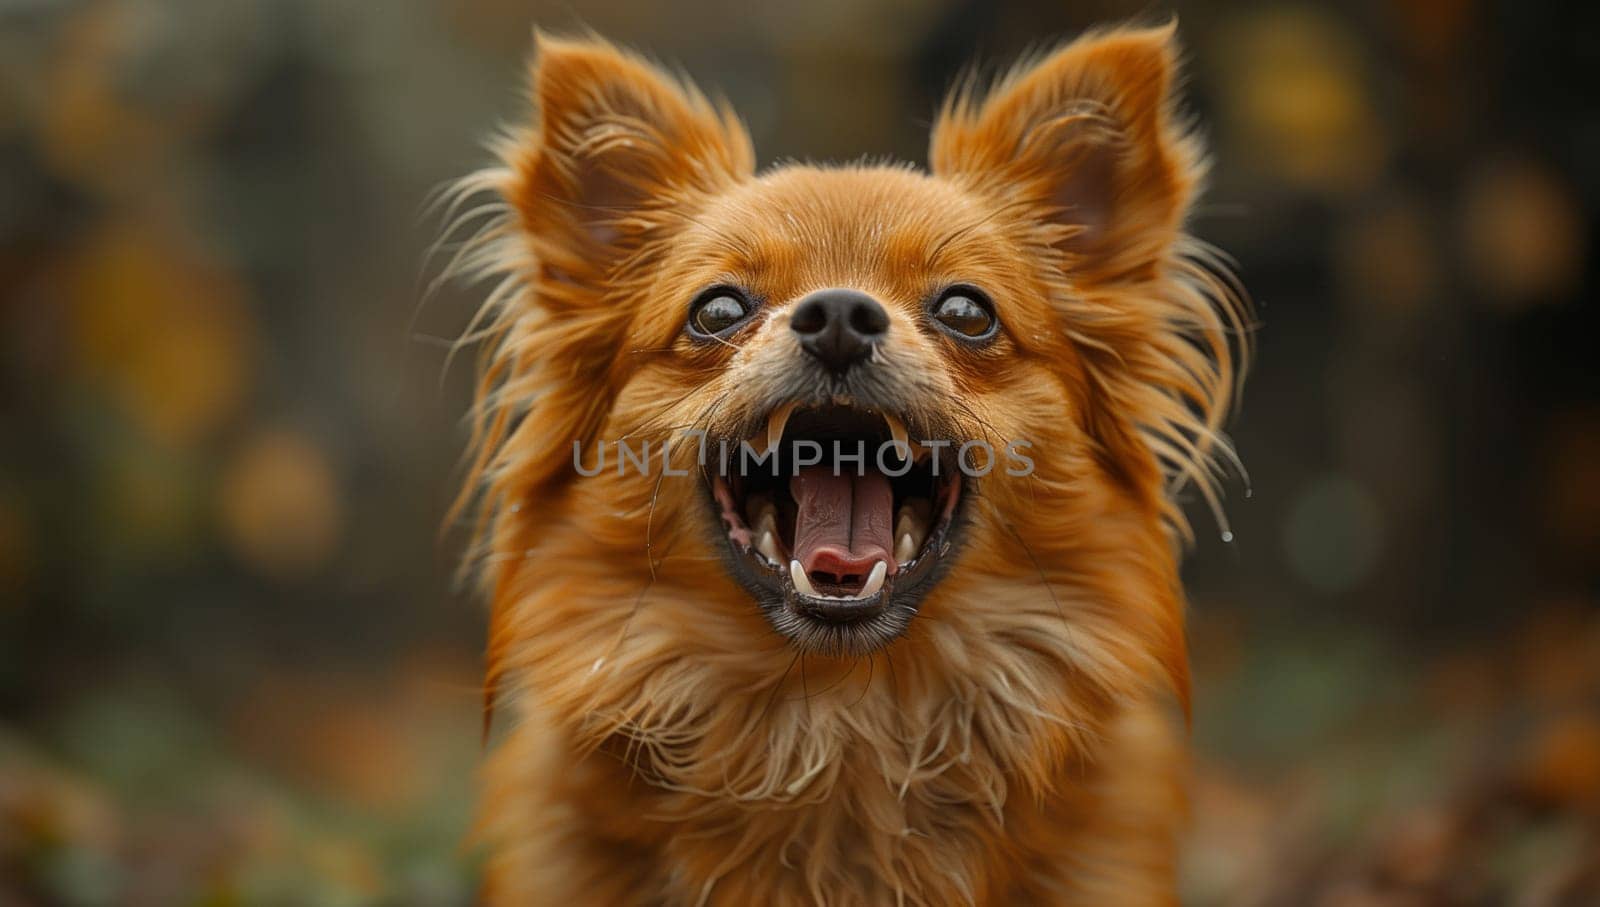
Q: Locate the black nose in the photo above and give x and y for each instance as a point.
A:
(839, 326)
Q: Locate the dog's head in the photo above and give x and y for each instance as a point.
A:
(834, 399)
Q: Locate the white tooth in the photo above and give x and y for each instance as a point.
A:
(912, 520)
(905, 550)
(764, 517)
(775, 424)
(898, 430)
(797, 574)
(768, 547)
(874, 580)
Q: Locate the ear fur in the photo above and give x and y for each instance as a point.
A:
(620, 151)
(617, 142)
(1087, 134)
(616, 154)
(1084, 149)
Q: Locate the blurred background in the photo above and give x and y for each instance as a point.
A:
(234, 669)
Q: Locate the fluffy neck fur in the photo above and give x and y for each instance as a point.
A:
(913, 773)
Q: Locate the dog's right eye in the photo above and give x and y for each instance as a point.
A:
(717, 310)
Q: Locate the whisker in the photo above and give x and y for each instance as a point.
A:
(667, 412)
(871, 660)
(839, 682)
(805, 691)
(728, 343)
(894, 693)
(778, 687)
(653, 428)
(1066, 625)
(627, 623)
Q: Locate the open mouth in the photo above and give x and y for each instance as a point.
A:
(837, 521)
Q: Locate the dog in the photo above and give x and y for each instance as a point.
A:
(766, 628)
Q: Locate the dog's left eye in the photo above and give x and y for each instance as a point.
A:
(716, 310)
(965, 312)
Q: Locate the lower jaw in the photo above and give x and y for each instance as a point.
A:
(885, 617)
(841, 640)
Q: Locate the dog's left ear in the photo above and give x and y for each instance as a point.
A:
(1087, 137)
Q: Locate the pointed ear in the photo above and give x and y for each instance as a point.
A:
(1087, 137)
(617, 142)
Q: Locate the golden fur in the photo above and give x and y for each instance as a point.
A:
(1022, 741)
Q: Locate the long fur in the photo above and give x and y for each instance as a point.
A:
(1018, 744)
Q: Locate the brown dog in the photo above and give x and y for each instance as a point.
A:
(864, 670)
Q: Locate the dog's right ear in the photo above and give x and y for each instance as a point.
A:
(617, 144)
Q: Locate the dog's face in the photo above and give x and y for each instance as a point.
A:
(861, 349)
(880, 392)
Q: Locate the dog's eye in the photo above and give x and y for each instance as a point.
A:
(966, 313)
(716, 310)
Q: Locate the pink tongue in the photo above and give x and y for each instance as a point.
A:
(844, 523)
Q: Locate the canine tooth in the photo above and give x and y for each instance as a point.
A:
(775, 424)
(920, 508)
(768, 524)
(768, 546)
(797, 574)
(905, 550)
(912, 520)
(897, 429)
(904, 521)
(763, 515)
(874, 580)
